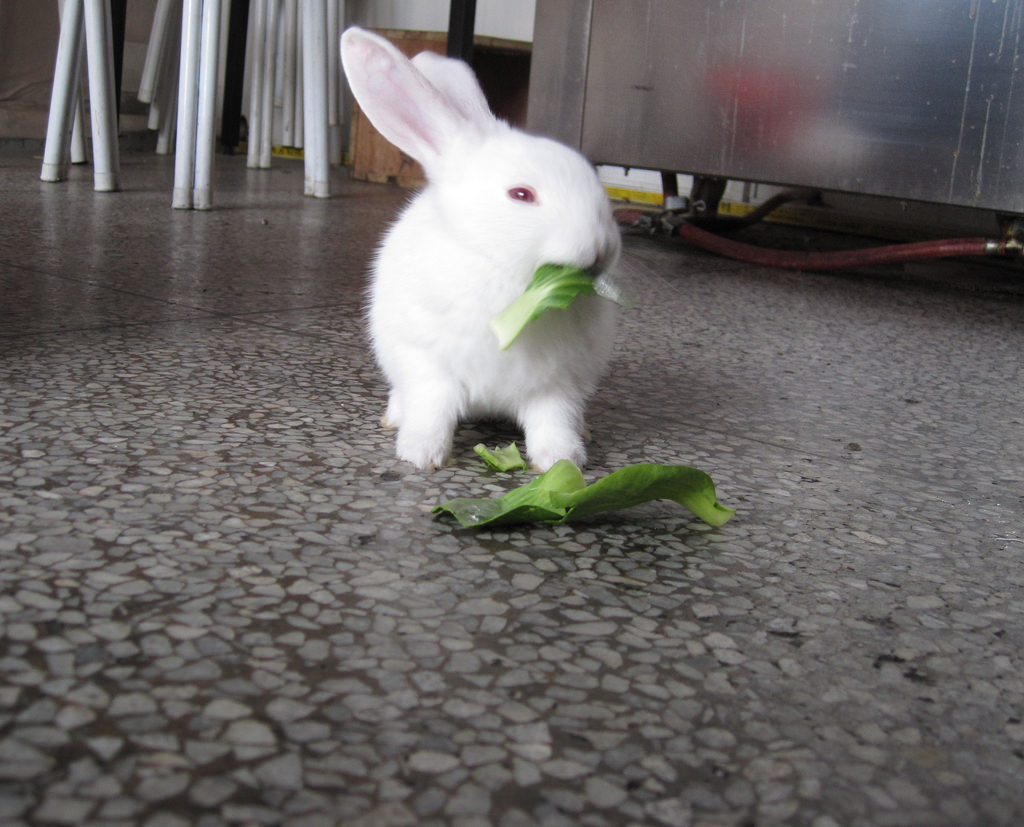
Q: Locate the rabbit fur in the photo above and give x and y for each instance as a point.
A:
(498, 203)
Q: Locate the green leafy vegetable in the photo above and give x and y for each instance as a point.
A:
(554, 286)
(502, 459)
(561, 494)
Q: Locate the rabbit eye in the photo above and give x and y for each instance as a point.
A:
(526, 195)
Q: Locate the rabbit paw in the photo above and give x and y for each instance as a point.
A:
(542, 460)
(392, 417)
(547, 447)
(554, 431)
(426, 416)
(425, 454)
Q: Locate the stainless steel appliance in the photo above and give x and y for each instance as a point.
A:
(914, 99)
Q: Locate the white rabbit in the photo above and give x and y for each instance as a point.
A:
(498, 203)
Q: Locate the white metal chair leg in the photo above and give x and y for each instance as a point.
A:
(99, 50)
(266, 123)
(314, 87)
(257, 50)
(206, 126)
(163, 111)
(188, 105)
(163, 23)
(78, 149)
(66, 79)
(299, 137)
(334, 131)
(162, 56)
(289, 71)
(165, 136)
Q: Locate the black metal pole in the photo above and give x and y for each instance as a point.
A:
(234, 76)
(461, 20)
(118, 21)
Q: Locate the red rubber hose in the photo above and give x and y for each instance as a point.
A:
(838, 260)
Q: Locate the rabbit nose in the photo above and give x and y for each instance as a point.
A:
(596, 255)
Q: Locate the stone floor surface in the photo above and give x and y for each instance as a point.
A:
(224, 602)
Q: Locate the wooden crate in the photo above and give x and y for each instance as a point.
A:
(503, 67)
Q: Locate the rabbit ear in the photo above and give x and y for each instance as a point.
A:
(399, 100)
(456, 80)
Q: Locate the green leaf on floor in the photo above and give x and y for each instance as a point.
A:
(561, 494)
(501, 459)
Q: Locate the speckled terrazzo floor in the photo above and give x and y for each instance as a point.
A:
(222, 601)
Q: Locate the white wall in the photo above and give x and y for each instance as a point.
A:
(28, 46)
(494, 18)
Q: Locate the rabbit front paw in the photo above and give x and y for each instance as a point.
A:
(425, 453)
(542, 459)
(554, 431)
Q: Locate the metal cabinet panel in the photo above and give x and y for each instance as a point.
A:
(916, 99)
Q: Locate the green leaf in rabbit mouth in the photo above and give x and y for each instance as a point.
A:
(554, 286)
